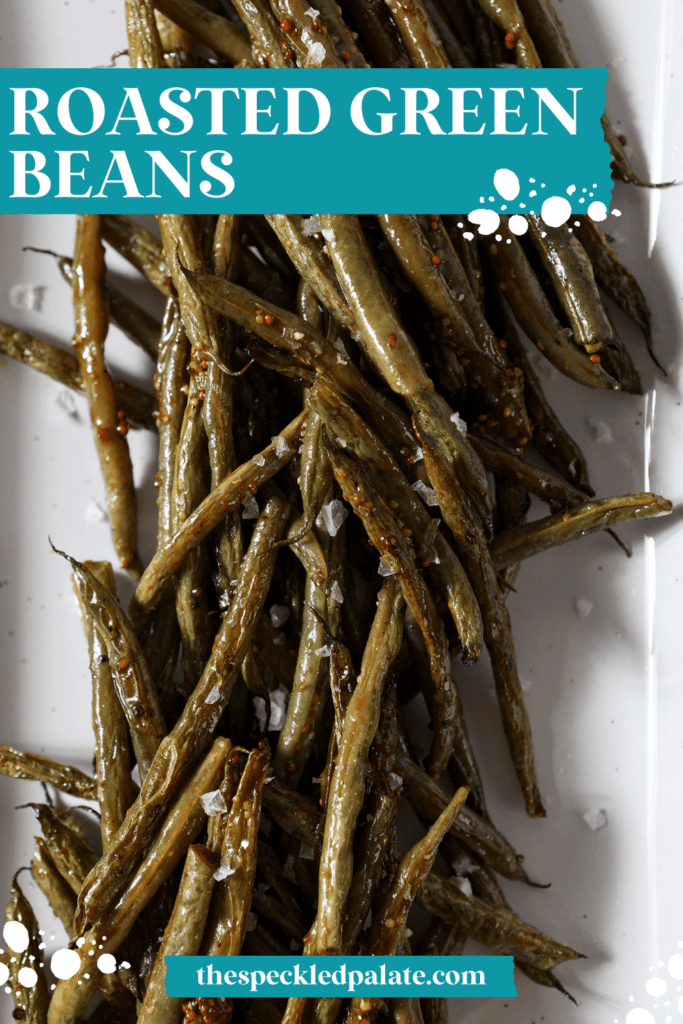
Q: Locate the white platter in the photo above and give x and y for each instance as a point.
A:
(605, 701)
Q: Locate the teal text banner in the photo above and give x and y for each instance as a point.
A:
(267, 140)
(261, 976)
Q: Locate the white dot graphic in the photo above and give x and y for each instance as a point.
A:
(597, 210)
(488, 220)
(676, 966)
(4, 973)
(655, 987)
(65, 963)
(27, 977)
(571, 190)
(107, 963)
(555, 211)
(639, 1016)
(16, 936)
(506, 183)
(518, 225)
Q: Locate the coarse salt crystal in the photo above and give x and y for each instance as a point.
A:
(336, 593)
(333, 515)
(384, 570)
(311, 226)
(66, 400)
(94, 513)
(395, 780)
(250, 509)
(223, 872)
(316, 54)
(328, 234)
(595, 819)
(260, 460)
(340, 359)
(279, 613)
(281, 447)
(298, 336)
(214, 802)
(325, 651)
(306, 852)
(428, 494)
(601, 430)
(213, 696)
(459, 423)
(311, 13)
(419, 454)
(584, 607)
(464, 885)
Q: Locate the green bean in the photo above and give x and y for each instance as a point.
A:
(264, 34)
(223, 499)
(518, 282)
(456, 54)
(134, 684)
(420, 38)
(504, 932)
(467, 252)
(302, 32)
(231, 901)
(532, 538)
(297, 814)
(19, 765)
(30, 1003)
(113, 923)
(313, 266)
(379, 32)
(618, 363)
(347, 789)
(550, 437)
(137, 405)
(72, 858)
(444, 570)
(144, 44)
(537, 481)
(108, 431)
(429, 800)
(213, 30)
(342, 36)
(139, 247)
(389, 923)
(183, 934)
(615, 279)
(470, 545)
(398, 557)
(215, 830)
(56, 890)
(191, 733)
(507, 15)
(115, 789)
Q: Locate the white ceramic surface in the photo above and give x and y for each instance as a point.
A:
(604, 699)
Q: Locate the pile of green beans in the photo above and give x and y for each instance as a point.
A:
(345, 411)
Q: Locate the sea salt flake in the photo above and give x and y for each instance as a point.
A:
(601, 430)
(595, 819)
(333, 515)
(213, 696)
(259, 460)
(328, 234)
(252, 921)
(395, 780)
(419, 454)
(430, 533)
(459, 423)
(279, 613)
(94, 513)
(311, 226)
(324, 651)
(584, 607)
(428, 494)
(250, 508)
(316, 54)
(306, 852)
(27, 296)
(311, 13)
(278, 708)
(344, 362)
(214, 802)
(281, 447)
(66, 401)
(384, 570)
(223, 872)
(336, 593)
(464, 885)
